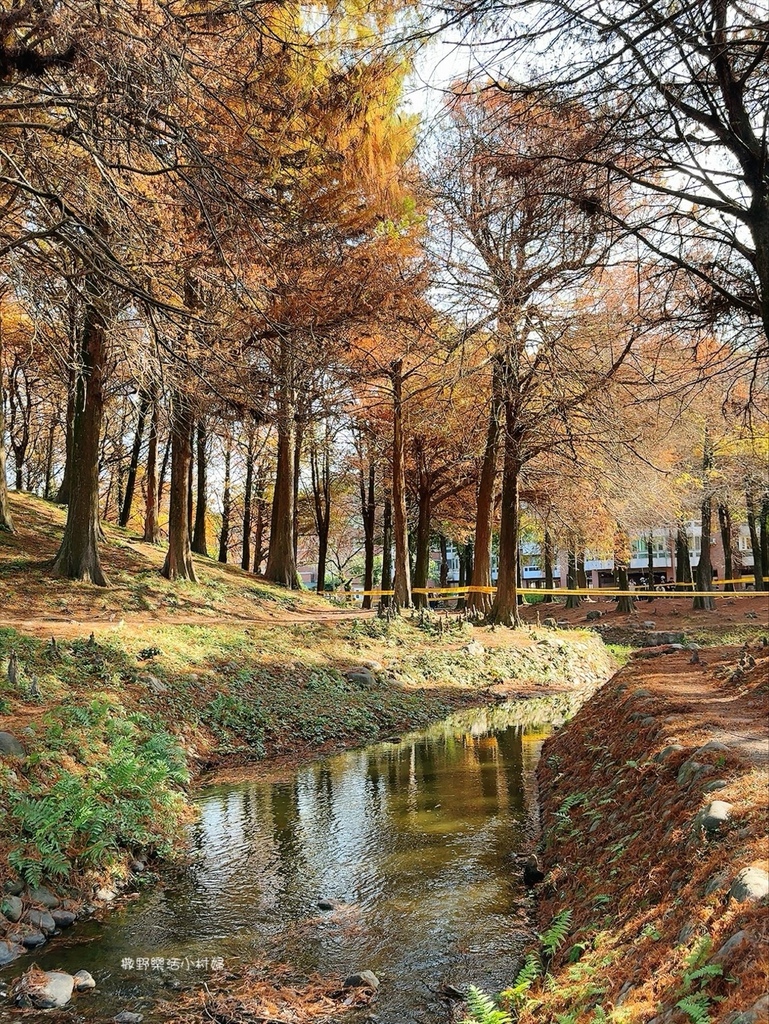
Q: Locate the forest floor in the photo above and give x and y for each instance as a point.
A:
(734, 617)
(138, 596)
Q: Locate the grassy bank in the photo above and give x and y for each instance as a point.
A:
(115, 727)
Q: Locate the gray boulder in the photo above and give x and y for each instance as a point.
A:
(758, 1013)
(44, 897)
(593, 615)
(9, 951)
(732, 948)
(666, 752)
(750, 884)
(712, 746)
(41, 920)
(10, 745)
(475, 649)
(690, 771)
(660, 637)
(719, 881)
(361, 676)
(12, 907)
(127, 1017)
(14, 887)
(154, 684)
(45, 990)
(83, 981)
(715, 785)
(364, 979)
(64, 918)
(33, 939)
(715, 816)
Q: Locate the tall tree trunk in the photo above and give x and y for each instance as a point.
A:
(62, 497)
(387, 550)
(402, 582)
(548, 559)
(48, 486)
(281, 561)
(320, 469)
(191, 483)
(199, 538)
(133, 466)
(164, 471)
(581, 574)
(462, 601)
(650, 560)
(727, 542)
(573, 600)
(368, 515)
(248, 490)
(704, 576)
(178, 564)
(224, 533)
(625, 605)
(755, 542)
(484, 516)
(19, 420)
(683, 561)
(78, 557)
(422, 566)
(444, 577)
(260, 524)
(764, 535)
(6, 519)
(504, 609)
(151, 476)
(296, 475)
(622, 553)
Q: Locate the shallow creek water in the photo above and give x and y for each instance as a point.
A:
(415, 840)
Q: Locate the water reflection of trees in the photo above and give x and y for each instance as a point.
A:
(331, 829)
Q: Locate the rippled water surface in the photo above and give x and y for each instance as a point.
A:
(414, 840)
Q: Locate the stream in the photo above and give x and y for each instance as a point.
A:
(413, 841)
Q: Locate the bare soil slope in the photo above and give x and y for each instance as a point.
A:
(659, 928)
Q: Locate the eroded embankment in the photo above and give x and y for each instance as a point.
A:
(654, 809)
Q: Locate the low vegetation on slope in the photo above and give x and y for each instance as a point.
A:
(114, 725)
(656, 853)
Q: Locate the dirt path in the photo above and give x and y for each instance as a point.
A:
(44, 626)
(714, 698)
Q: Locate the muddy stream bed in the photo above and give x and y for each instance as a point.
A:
(413, 842)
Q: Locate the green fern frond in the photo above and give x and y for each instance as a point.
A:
(553, 938)
(483, 1010)
(524, 979)
(696, 1008)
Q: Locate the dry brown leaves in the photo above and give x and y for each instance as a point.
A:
(269, 994)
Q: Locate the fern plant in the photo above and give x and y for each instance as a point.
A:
(524, 979)
(553, 938)
(696, 1007)
(483, 1009)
